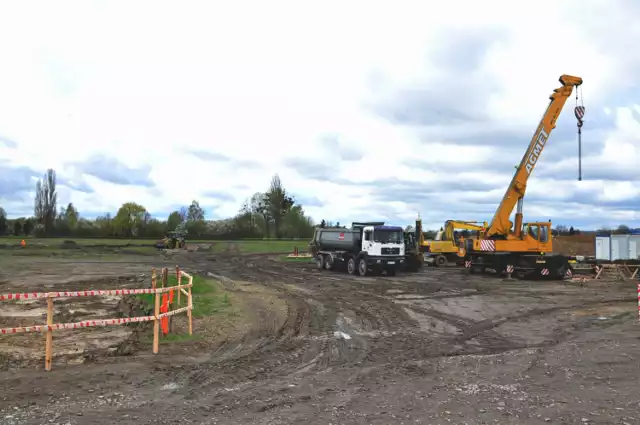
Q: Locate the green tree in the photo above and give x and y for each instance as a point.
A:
(195, 212)
(129, 219)
(259, 206)
(3, 221)
(46, 201)
(174, 219)
(71, 216)
(195, 219)
(17, 227)
(296, 225)
(622, 229)
(104, 225)
(278, 203)
(27, 227)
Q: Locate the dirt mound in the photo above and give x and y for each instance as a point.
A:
(575, 245)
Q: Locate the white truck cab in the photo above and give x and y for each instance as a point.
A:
(383, 241)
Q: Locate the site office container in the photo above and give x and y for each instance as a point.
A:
(618, 247)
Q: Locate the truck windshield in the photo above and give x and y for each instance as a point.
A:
(388, 236)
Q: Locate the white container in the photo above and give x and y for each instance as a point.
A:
(618, 247)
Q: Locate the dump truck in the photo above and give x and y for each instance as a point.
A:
(364, 248)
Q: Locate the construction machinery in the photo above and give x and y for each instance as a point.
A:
(413, 252)
(363, 248)
(174, 239)
(525, 249)
(445, 247)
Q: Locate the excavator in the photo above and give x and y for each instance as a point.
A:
(413, 243)
(444, 248)
(525, 249)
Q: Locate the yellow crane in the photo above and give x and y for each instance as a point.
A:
(524, 248)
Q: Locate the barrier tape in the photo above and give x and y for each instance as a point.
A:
(88, 323)
(37, 295)
(76, 325)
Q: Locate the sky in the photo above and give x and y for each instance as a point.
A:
(366, 110)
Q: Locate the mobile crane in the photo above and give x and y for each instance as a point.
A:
(443, 249)
(524, 248)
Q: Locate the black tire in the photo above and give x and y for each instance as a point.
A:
(391, 272)
(328, 262)
(441, 260)
(351, 266)
(320, 262)
(363, 267)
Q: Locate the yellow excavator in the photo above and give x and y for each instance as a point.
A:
(525, 249)
(444, 248)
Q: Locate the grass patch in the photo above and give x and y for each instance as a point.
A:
(256, 247)
(208, 297)
(147, 245)
(173, 337)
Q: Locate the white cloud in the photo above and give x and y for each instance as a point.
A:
(151, 82)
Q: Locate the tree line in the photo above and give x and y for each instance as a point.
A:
(270, 214)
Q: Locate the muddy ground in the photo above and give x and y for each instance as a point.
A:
(436, 347)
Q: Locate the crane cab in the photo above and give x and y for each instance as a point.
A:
(538, 236)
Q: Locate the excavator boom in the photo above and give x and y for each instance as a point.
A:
(500, 224)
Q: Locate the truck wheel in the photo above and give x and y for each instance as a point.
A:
(441, 260)
(351, 266)
(320, 261)
(391, 272)
(363, 268)
(328, 262)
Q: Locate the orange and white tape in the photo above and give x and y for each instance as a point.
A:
(88, 323)
(77, 325)
(36, 295)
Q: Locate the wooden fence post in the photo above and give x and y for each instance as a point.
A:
(48, 350)
(153, 278)
(165, 277)
(156, 324)
(190, 306)
(179, 277)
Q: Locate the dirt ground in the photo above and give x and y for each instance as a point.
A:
(435, 347)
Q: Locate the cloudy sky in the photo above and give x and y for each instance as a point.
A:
(365, 111)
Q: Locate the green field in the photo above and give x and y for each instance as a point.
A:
(147, 245)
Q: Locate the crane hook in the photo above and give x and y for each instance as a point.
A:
(579, 113)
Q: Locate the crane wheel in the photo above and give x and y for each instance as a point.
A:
(441, 260)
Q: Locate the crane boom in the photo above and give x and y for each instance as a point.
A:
(500, 225)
